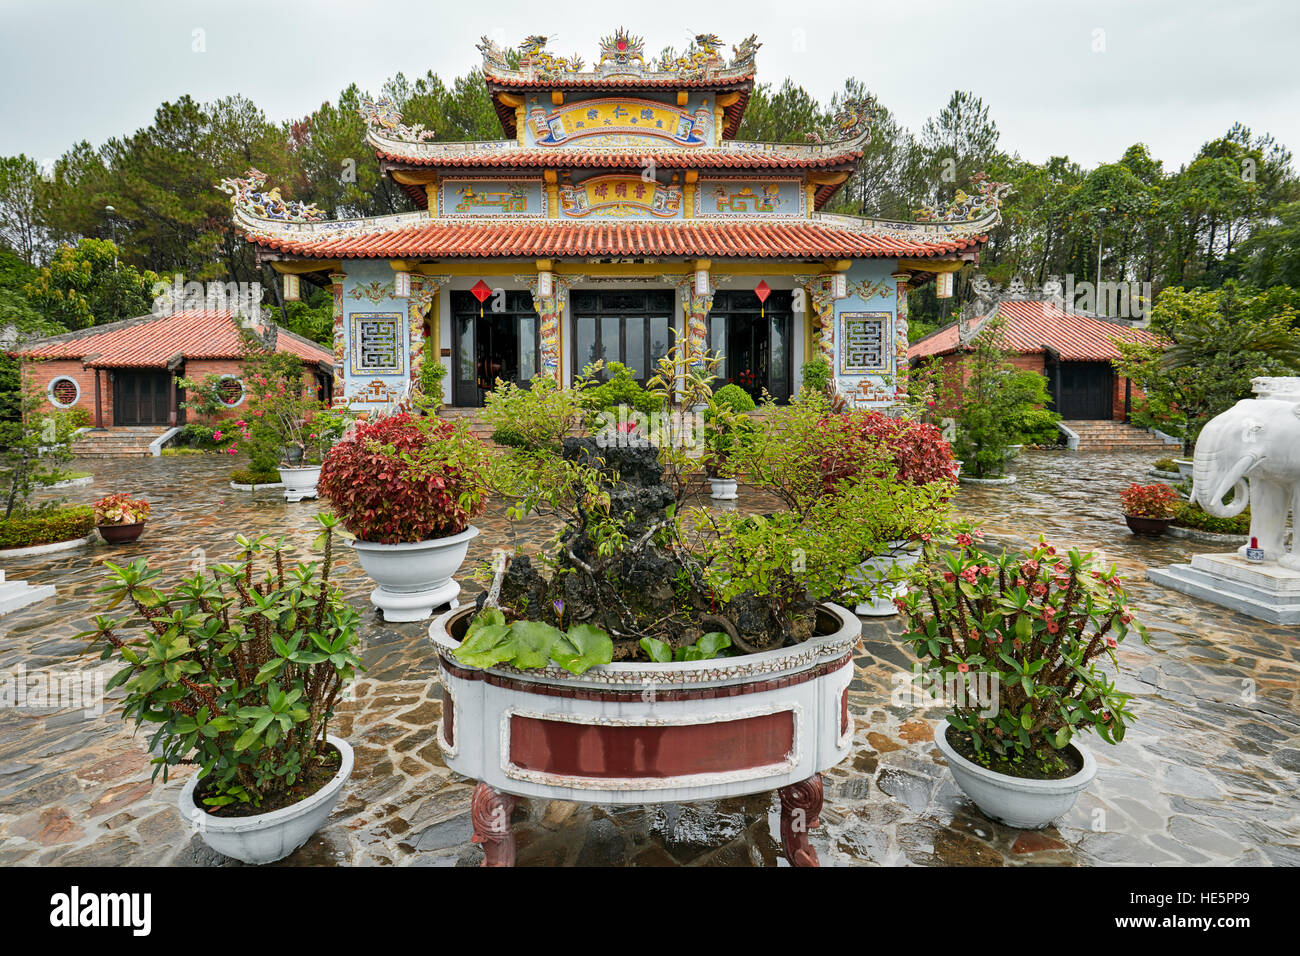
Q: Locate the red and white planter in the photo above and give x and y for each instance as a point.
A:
(638, 733)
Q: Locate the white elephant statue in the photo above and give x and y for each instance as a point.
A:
(1255, 441)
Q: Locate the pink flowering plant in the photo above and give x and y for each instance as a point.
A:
(285, 423)
(1036, 624)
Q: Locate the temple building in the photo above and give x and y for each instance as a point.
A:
(617, 213)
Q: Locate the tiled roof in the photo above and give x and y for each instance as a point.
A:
(1034, 323)
(445, 238)
(668, 81)
(150, 342)
(740, 157)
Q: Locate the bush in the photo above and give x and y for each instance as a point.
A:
(735, 398)
(620, 389)
(243, 677)
(538, 417)
(1036, 426)
(1189, 515)
(1149, 501)
(1165, 464)
(74, 418)
(48, 526)
(403, 479)
(248, 476)
(917, 450)
(816, 375)
(1034, 624)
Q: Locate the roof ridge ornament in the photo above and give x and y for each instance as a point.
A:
(382, 113)
(743, 55)
(533, 53)
(699, 56)
(852, 121)
(986, 199)
(249, 196)
(619, 51)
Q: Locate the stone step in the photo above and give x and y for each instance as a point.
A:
(16, 594)
(1276, 605)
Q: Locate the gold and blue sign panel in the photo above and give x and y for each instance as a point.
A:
(749, 199)
(864, 342)
(621, 197)
(626, 120)
(375, 340)
(489, 198)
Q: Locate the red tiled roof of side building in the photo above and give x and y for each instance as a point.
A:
(1032, 324)
(700, 158)
(548, 237)
(152, 341)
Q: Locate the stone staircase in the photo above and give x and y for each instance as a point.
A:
(16, 594)
(126, 441)
(1118, 436)
(471, 418)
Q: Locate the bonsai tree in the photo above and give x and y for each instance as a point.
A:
(403, 478)
(1036, 624)
(239, 670)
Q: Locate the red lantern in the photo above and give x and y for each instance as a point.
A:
(762, 290)
(481, 291)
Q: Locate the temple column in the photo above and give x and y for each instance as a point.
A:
(900, 335)
(698, 303)
(424, 292)
(821, 292)
(339, 396)
(550, 310)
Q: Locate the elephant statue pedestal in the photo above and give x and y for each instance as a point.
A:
(1253, 451)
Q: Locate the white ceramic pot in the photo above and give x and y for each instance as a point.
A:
(723, 489)
(1184, 466)
(414, 578)
(267, 837)
(299, 483)
(901, 554)
(1027, 804)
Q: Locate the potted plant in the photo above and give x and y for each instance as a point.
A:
(726, 422)
(1014, 641)
(653, 652)
(120, 518)
(288, 425)
(1149, 509)
(407, 487)
(241, 671)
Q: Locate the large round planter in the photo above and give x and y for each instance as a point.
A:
(1027, 804)
(1184, 466)
(1154, 526)
(414, 578)
(120, 533)
(902, 555)
(299, 483)
(722, 489)
(267, 837)
(638, 733)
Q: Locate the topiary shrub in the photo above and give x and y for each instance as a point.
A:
(735, 398)
(620, 389)
(48, 526)
(1190, 515)
(251, 476)
(403, 479)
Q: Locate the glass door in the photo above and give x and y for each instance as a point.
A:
(495, 346)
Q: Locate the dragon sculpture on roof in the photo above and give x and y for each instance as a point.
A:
(987, 198)
(384, 114)
(534, 54)
(248, 195)
(493, 56)
(702, 53)
(742, 57)
(850, 122)
(621, 49)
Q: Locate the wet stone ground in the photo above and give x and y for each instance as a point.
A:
(1207, 775)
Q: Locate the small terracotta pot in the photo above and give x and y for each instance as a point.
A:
(120, 533)
(1140, 525)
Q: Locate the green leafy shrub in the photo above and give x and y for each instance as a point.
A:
(248, 476)
(619, 390)
(1189, 515)
(816, 375)
(1034, 624)
(1165, 464)
(1036, 426)
(76, 417)
(735, 398)
(538, 417)
(47, 526)
(528, 644)
(241, 670)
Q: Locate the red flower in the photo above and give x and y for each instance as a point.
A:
(963, 668)
(949, 577)
(964, 540)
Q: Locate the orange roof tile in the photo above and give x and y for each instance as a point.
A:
(150, 342)
(1035, 323)
(699, 158)
(732, 239)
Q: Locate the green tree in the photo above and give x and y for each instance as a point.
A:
(87, 285)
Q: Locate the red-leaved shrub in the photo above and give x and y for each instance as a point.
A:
(916, 449)
(1149, 501)
(402, 479)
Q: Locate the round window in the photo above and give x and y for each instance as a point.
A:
(231, 390)
(64, 392)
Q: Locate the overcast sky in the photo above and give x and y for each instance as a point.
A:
(1086, 79)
